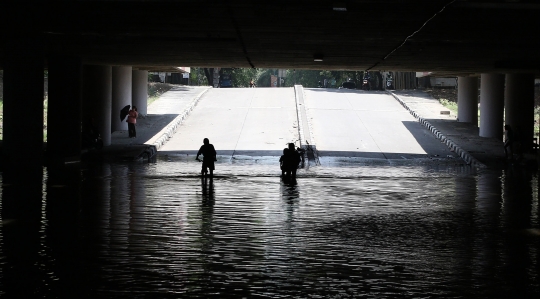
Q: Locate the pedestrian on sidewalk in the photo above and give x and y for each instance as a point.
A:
(209, 157)
(132, 120)
(508, 142)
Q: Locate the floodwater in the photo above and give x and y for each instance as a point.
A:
(372, 230)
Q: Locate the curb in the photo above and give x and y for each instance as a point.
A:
(297, 90)
(466, 156)
(170, 129)
(310, 150)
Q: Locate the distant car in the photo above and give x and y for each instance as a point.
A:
(225, 81)
(348, 85)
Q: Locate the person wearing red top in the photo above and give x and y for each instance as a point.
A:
(132, 120)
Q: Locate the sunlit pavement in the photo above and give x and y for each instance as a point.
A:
(346, 126)
(239, 122)
(370, 124)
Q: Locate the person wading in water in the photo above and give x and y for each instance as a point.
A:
(209, 157)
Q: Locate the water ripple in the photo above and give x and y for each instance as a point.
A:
(159, 230)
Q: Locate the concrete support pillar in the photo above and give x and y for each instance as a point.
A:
(64, 109)
(140, 91)
(468, 100)
(121, 95)
(23, 115)
(491, 105)
(519, 107)
(97, 99)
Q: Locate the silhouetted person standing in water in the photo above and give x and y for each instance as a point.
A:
(209, 156)
(290, 160)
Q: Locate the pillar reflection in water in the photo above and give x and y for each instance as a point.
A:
(487, 244)
(519, 257)
(119, 207)
(137, 204)
(95, 224)
(503, 248)
(20, 238)
(464, 211)
(60, 247)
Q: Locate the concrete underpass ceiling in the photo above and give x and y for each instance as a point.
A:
(448, 37)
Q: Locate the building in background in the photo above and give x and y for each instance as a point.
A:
(173, 75)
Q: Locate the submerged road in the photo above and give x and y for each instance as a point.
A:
(343, 123)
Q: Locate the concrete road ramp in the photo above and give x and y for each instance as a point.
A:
(239, 122)
(367, 124)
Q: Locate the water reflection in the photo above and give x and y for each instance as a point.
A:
(138, 230)
(21, 236)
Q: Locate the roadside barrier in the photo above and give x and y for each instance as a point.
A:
(170, 129)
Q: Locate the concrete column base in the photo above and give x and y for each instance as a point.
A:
(519, 108)
(121, 95)
(491, 105)
(468, 100)
(140, 91)
(22, 146)
(64, 110)
(97, 99)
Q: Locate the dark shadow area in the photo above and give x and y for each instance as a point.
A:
(180, 88)
(425, 138)
(152, 124)
(21, 223)
(343, 90)
(415, 93)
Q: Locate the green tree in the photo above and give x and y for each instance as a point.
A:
(197, 77)
(242, 76)
(263, 77)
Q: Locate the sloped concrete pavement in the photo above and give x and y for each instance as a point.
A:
(168, 112)
(462, 138)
